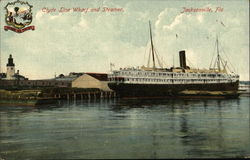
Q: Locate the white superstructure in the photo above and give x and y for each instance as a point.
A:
(137, 76)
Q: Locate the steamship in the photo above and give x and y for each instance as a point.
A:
(183, 81)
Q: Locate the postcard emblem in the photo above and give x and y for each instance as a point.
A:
(18, 17)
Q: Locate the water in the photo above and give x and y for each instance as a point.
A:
(127, 129)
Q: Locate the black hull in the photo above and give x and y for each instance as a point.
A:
(219, 90)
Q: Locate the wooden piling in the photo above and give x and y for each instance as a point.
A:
(74, 96)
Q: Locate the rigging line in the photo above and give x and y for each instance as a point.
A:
(163, 62)
(152, 45)
(228, 60)
(223, 65)
(189, 62)
(149, 57)
(157, 56)
(145, 52)
(148, 50)
(232, 67)
(213, 62)
(213, 56)
(158, 60)
(227, 67)
(230, 70)
(214, 66)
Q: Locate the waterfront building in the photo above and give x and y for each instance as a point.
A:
(92, 80)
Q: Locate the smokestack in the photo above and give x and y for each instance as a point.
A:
(182, 59)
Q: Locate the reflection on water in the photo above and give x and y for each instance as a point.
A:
(126, 129)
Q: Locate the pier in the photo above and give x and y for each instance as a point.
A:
(50, 95)
(80, 93)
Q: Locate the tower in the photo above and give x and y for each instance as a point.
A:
(10, 68)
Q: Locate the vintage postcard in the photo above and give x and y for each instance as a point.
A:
(124, 79)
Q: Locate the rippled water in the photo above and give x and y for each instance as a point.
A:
(127, 129)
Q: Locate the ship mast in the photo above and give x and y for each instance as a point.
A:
(218, 54)
(152, 45)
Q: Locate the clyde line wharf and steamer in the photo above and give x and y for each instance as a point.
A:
(17, 89)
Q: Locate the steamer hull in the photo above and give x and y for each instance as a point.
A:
(220, 90)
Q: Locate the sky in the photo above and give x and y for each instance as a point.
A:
(65, 42)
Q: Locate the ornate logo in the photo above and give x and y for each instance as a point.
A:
(18, 16)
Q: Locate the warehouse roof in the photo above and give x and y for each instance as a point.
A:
(99, 76)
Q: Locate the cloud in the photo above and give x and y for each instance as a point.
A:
(178, 20)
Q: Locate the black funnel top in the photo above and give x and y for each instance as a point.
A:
(182, 59)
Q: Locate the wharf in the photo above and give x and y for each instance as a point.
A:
(32, 97)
